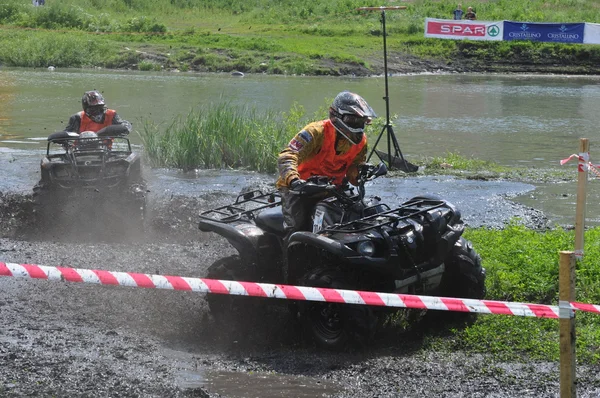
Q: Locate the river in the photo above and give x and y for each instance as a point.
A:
(514, 120)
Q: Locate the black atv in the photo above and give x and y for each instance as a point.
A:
(92, 174)
(356, 244)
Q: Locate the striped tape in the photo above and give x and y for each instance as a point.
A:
(584, 163)
(288, 292)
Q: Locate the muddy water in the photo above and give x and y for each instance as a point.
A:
(264, 385)
(513, 120)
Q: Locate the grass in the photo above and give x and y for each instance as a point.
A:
(37, 49)
(221, 136)
(282, 37)
(522, 266)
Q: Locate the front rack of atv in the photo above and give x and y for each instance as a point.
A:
(391, 217)
(89, 145)
(246, 205)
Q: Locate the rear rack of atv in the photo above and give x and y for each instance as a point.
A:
(246, 205)
(391, 217)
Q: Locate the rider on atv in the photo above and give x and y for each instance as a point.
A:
(95, 115)
(333, 147)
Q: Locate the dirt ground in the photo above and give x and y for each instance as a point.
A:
(82, 340)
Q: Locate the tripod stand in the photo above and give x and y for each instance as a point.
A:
(391, 159)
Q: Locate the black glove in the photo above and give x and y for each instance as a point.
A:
(366, 168)
(297, 184)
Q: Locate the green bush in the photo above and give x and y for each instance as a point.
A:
(144, 24)
(221, 136)
(39, 49)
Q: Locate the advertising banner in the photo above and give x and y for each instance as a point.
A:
(473, 30)
(591, 33)
(547, 32)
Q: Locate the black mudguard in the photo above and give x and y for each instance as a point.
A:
(333, 246)
(244, 237)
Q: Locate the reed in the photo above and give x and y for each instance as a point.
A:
(221, 136)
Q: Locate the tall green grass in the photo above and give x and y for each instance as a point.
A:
(74, 16)
(522, 265)
(221, 136)
(38, 49)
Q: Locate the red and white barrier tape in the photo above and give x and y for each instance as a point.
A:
(288, 292)
(584, 163)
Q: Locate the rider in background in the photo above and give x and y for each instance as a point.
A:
(95, 115)
(333, 147)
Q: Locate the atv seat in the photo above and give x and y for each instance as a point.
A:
(271, 220)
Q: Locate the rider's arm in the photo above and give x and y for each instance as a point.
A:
(117, 120)
(303, 146)
(74, 123)
(352, 172)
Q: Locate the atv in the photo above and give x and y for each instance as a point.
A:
(356, 243)
(97, 174)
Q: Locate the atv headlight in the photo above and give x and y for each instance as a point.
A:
(366, 248)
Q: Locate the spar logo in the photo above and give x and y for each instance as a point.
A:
(456, 29)
(493, 30)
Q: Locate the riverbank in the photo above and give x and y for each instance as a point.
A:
(290, 39)
(464, 57)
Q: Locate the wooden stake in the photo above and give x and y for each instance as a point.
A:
(582, 177)
(566, 294)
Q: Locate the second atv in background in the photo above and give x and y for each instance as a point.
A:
(92, 181)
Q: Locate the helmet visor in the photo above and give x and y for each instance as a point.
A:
(96, 110)
(355, 122)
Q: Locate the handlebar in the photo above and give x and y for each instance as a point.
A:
(317, 185)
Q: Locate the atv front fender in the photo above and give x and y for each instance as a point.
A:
(243, 237)
(333, 246)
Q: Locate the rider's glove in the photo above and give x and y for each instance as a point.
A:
(297, 184)
(366, 168)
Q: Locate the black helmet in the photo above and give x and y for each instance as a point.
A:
(349, 114)
(93, 105)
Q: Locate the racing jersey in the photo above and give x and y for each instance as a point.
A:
(75, 122)
(308, 143)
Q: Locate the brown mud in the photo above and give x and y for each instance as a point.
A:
(82, 340)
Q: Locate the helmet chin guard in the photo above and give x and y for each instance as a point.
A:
(349, 113)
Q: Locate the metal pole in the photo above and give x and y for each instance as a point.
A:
(387, 95)
(391, 137)
(385, 69)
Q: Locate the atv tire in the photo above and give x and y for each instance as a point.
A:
(226, 309)
(335, 326)
(464, 277)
